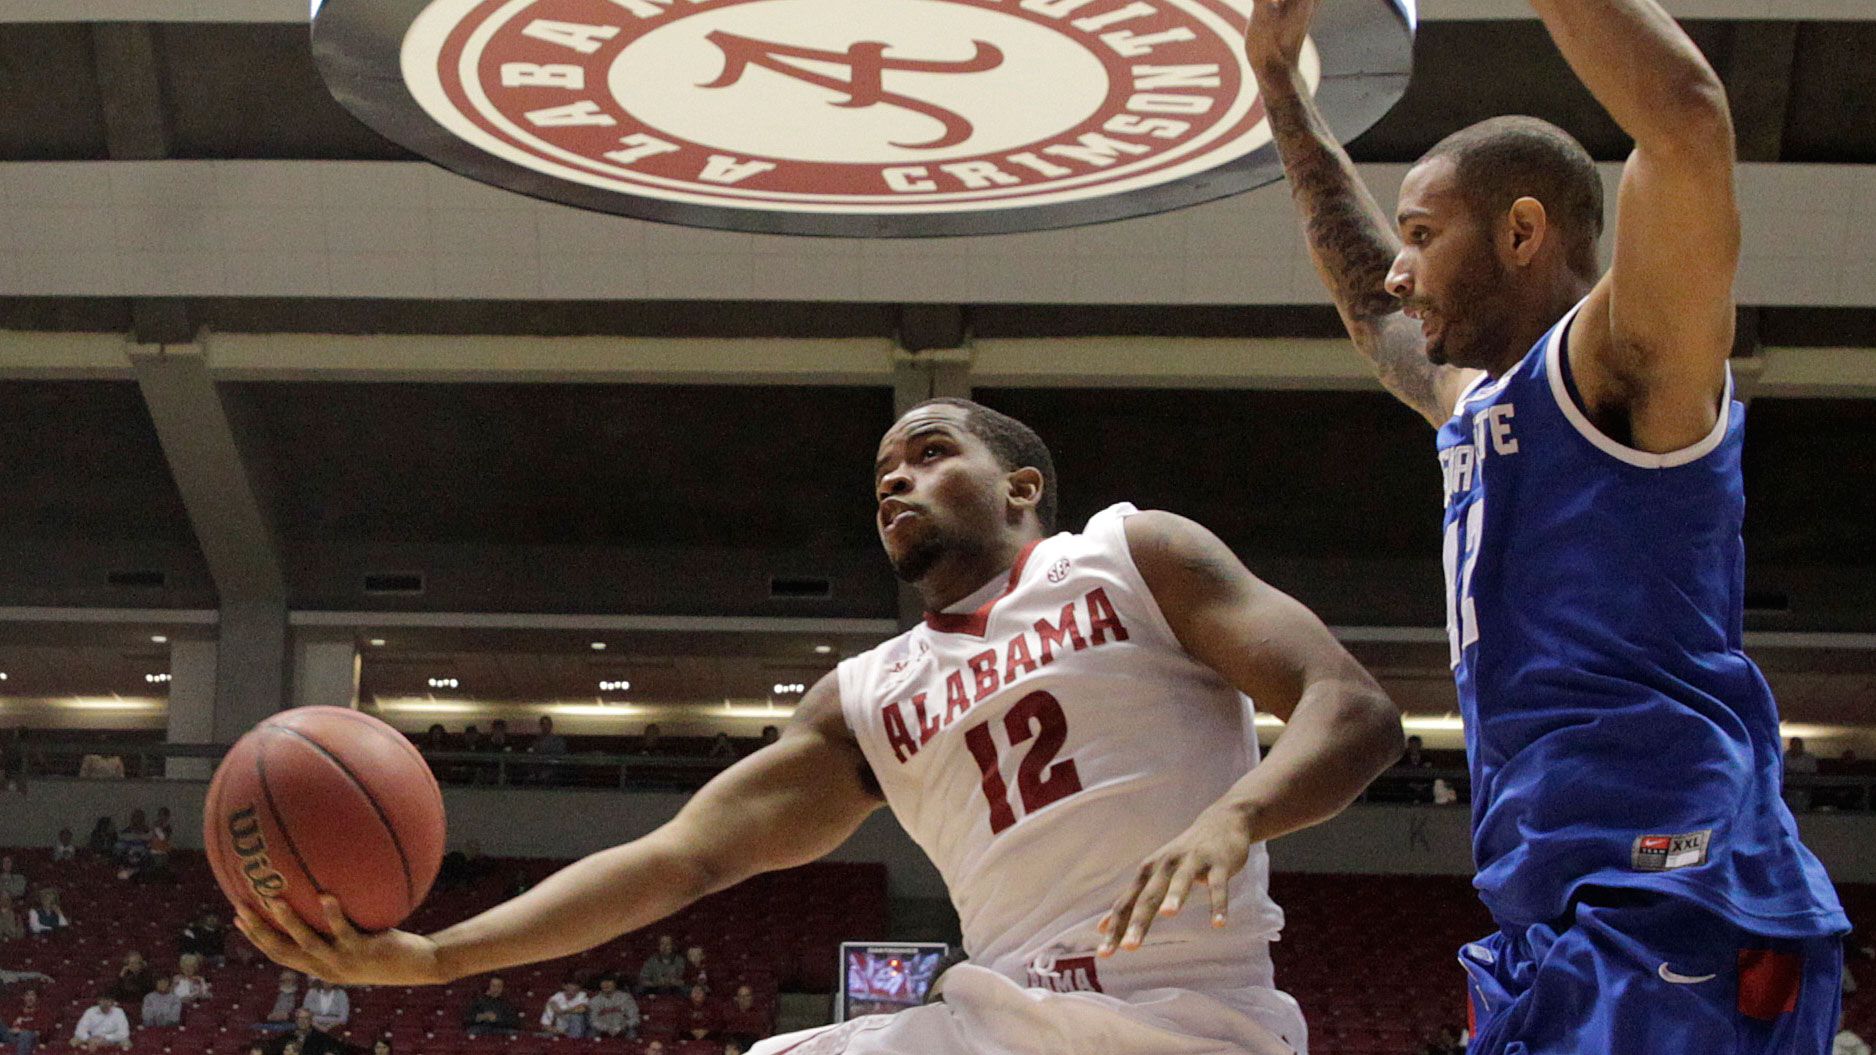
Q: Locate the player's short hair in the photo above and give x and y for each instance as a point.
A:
(1015, 445)
(1502, 159)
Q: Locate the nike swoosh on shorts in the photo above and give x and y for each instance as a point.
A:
(1683, 979)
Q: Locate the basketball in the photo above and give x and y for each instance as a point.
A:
(325, 800)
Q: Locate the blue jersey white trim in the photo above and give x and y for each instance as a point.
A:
(1617, 734)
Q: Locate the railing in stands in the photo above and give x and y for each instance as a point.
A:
(55, 759)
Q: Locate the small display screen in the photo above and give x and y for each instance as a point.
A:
(884, 979)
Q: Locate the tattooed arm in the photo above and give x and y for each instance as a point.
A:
(1350, 239)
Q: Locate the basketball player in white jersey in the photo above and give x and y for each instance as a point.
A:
(1071, 706)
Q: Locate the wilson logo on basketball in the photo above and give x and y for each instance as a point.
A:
(834, 116)
(244, 835)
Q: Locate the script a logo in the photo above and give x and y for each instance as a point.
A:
(244, 834)
(866, 63)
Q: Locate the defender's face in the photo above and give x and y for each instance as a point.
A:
(1446, 275)
(939, 488)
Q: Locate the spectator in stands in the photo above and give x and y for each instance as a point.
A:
(655, 1047)
(48, 917)
(134, 981)
(652, 743)
(770, 734)
(163, 828)
(730, 1047)
(286, 1002)
(744, 1021)
(1846, 1042)
(133, 840)
(25, 1024)
(12, 884)
(565, 1013)
(663, 972)
(547, 744)
(161, 1006)
(190, 985)
(103, 838)
(721, 747)
(64, 849)
(436, 738)
(381, 1046)
(492, 1013)
(1801, 763)
(102, 1026)
(695, 971)
(612, 1012)
(495, 744)
(1447, 1042)
(330, 1005)
(471, 738)
(462, 867)
(10, 928)
(306, 1040)
(700, 1020)
(206, 937)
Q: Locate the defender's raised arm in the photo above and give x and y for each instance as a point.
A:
(1352, 242)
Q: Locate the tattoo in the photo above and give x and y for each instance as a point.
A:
(1353, 245)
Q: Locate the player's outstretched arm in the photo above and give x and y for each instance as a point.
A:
(1350, 239)
(1341, 728)
(788, 804)
(1651, 345)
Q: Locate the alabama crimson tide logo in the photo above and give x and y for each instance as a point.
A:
(852, 117)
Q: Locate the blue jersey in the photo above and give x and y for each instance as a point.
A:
(1616, 733)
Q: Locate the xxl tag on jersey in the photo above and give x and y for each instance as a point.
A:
(1661, 853)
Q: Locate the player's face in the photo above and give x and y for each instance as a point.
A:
(1447, 276)
(939, 490)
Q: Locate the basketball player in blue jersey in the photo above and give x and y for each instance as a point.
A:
(1649, 884)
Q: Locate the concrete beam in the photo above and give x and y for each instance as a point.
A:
(1758, 82)
(192, 426)
(130, 83)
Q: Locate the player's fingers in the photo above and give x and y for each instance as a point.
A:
(1218, 881)
(303, 936)
(1181, 883)
(1114, 924)
(344, 935)
(272, 944)
(1141, 920)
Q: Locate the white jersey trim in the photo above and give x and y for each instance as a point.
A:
(1553, 367)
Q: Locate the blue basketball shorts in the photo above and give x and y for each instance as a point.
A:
(1638, 973)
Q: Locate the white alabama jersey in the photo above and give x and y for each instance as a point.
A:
(1041, 744)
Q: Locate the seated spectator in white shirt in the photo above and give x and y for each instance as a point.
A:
(286, 1001)
(48, 917)
(189, 983)
(102, 1026)
(612, 1012)
(330, 1006)
(65, 849)
(161, 1006)
(12, 884)
(565, 1013)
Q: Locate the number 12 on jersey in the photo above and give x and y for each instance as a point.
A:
(1040, 779)
(1462, 617)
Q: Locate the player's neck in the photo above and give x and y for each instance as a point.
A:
(1539, 310)
(959, 576)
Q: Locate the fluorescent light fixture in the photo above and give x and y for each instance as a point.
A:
(595, 710)
(823, 649)
(156, 679)
(419, 706)
(80, 703)
(599, 646)
(159, 639)
(789, 688)
(3, 675)
(445, 683)
(770, 711)
(377, 642)
(615, 686)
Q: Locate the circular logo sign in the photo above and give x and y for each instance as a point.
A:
(846, 117)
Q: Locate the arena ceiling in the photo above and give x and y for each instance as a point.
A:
(502, 480)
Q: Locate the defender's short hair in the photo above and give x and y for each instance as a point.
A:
(1015, 444)
(1500, 160)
